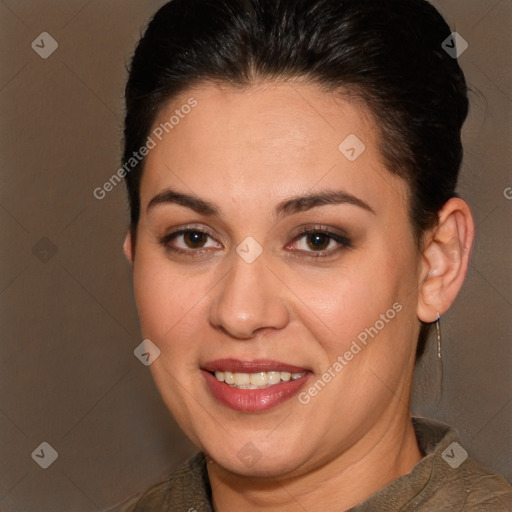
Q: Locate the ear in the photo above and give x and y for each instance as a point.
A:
(128, 247)
(445, 259)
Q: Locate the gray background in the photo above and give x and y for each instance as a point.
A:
(69, 326)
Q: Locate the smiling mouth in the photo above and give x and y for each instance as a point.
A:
(256, 374)
(258, 380)
(254, 386)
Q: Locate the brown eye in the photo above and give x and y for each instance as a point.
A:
(195, 239)
(189, 242)
(318, 241)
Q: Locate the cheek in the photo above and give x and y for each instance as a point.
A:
(345, 303)
(163, 297)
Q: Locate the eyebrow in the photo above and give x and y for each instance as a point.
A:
(285, 208)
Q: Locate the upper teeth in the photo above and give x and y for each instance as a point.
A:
(256, 380)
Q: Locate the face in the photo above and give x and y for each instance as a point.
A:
(266, 249)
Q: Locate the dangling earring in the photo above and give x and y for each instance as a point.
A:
(438, 332)
(439, 355)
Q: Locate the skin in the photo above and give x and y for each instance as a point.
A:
(246, 151)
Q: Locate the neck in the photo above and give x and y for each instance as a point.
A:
(388, 451)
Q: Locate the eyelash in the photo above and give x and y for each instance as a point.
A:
(344, 242)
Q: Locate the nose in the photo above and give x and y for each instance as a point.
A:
(249, 299)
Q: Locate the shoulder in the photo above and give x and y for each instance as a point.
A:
(470, 487)
(483, 489)
(186, 489)
(446, 479)
(456, 481)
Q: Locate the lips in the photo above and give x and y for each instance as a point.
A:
(253, 400)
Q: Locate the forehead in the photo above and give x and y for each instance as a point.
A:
(267, 140)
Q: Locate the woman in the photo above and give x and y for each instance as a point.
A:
(295, 232)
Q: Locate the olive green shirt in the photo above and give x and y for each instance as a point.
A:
(444, 480)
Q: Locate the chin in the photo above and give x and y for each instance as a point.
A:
(269, 461)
